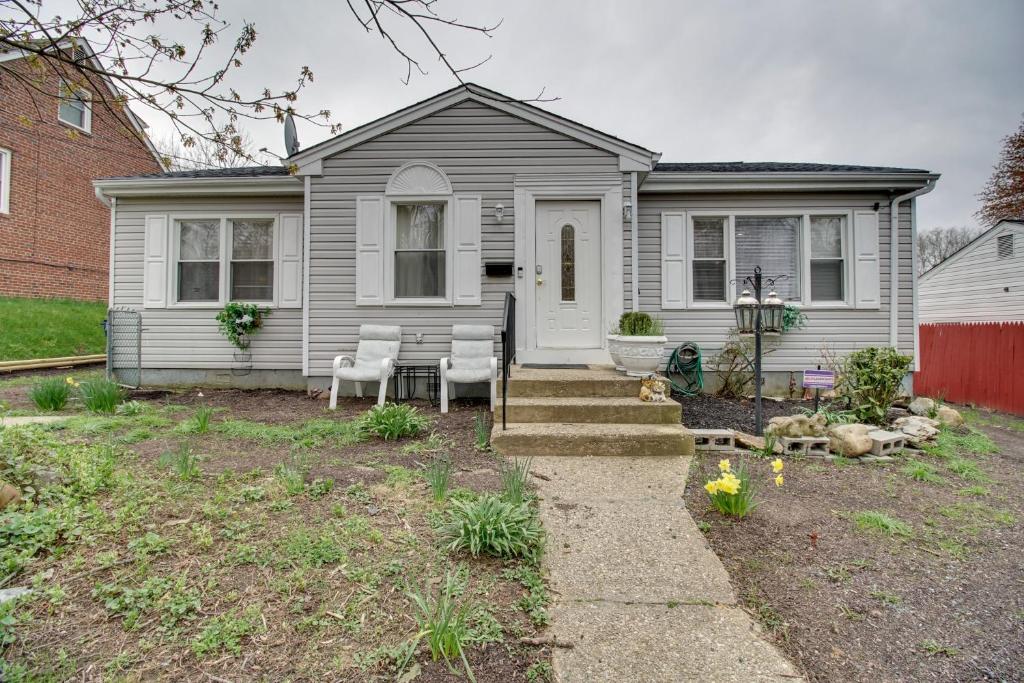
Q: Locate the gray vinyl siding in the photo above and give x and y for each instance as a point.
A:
(839, 330)
(178, 338)
(482, 150)
(970, 286)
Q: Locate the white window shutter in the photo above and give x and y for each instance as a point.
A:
(466, 266)
(370, 251)
(865, 257)
(673, 260)
(289, 261)
(155, 260)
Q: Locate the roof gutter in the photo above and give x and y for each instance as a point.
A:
(148, 187)
(894, 255)
(669, 181)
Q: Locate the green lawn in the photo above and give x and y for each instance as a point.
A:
(50, 328)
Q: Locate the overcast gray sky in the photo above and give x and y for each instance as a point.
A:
(916, 83)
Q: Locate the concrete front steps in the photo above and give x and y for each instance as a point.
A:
(593, 411)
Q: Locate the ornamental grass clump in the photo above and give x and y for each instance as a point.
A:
(733, 493)
(492, 526)
(52, 393)
(101, 395)
(394, 421)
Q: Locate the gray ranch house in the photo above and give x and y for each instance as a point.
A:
(427, 217)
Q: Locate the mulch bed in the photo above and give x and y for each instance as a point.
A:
(711, 412)
(945, 604)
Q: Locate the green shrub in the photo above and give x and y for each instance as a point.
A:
(492, 526)
(101, 395)
(871, 379)
(514, 475)
(394, 421)
(439, 476)
(637, 324)
(51, 393)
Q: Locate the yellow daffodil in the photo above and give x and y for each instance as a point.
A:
(730, 486)
(777, 465)
(778, 480)
(711, 487)
(70, 380)
(724, 465)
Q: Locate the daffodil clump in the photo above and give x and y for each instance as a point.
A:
(733, 493)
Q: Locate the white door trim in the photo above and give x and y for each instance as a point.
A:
(603, 187)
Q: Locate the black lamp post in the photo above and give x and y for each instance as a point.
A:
(757, 317)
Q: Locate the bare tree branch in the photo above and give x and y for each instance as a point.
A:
(1003, 194)
(938, 244)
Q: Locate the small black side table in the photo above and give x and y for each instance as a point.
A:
(406, 374)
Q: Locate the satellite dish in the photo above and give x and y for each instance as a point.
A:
(291, 138)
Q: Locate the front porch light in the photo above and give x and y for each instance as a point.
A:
(499, 212)
(772, 313)
(746, 312)
(627, 210)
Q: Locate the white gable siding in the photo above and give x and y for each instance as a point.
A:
(176, 338)
(976, 285)
(481, 150)
(840, 330)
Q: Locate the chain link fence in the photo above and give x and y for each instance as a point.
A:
(124, 347)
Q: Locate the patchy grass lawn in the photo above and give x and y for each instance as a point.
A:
(50, 328)
(252, 535)
(904, 571)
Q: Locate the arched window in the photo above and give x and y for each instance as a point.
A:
(568, 263)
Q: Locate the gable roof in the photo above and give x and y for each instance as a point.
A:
(969, 246)
(233, 172)
(82, 46)
(632, 157)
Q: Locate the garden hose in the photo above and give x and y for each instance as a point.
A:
(685, 362)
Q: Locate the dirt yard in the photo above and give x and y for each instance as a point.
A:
(931, 589)
(236, 572)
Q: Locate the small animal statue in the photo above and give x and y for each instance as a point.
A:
(652, 389)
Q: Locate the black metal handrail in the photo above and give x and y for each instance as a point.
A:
(508, 348)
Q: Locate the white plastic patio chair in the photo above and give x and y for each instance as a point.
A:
(374, 361)
(472, 360)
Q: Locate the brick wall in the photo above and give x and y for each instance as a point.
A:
(55, 241)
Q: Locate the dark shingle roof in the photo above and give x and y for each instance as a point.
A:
(776, 167)
(238, 172)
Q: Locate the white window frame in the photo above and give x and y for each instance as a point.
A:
(5, 180)
(391, 203)
(804, 258)
(224, 284)
(86, 98)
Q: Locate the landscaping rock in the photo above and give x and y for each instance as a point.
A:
(949, 416)
(921, 406)
(13, 594)
(796, 426)
(851, 441)
(8, 495)
(917, 427)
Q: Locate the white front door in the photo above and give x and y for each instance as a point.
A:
(568, 275)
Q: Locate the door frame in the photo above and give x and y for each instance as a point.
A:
(606, 189)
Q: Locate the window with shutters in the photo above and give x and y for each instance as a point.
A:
(420, 251)
(216, 259)
(812, 251)
(1004, 246)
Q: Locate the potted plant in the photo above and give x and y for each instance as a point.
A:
(238, 321)
(613, 348)
(640, 342)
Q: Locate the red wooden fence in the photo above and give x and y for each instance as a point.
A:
(977, 363)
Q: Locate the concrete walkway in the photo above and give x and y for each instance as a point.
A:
(637, 593)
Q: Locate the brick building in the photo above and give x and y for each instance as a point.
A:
(54, 232)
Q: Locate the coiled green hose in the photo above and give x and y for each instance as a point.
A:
(685, 362)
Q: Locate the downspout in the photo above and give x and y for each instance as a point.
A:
(894, 257)
(306, 212)
(111, 203)
(634, 262)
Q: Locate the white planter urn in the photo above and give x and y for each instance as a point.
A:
(640, 356)
(613, 351)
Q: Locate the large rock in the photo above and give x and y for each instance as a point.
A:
(922, 406)
(917, 427)
(851, 441)
(949, 416)
(795, 426)
(8, 495)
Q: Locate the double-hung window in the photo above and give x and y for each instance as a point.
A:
(221, 259)
(710, 283)
(252, 259)
(420, 250)
(772, 242)
(5, 181)
(199, 249)
(828, 265)
(75, 108)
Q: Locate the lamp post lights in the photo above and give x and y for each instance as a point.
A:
(757, 317)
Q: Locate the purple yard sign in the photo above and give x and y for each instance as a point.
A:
(819, 379)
